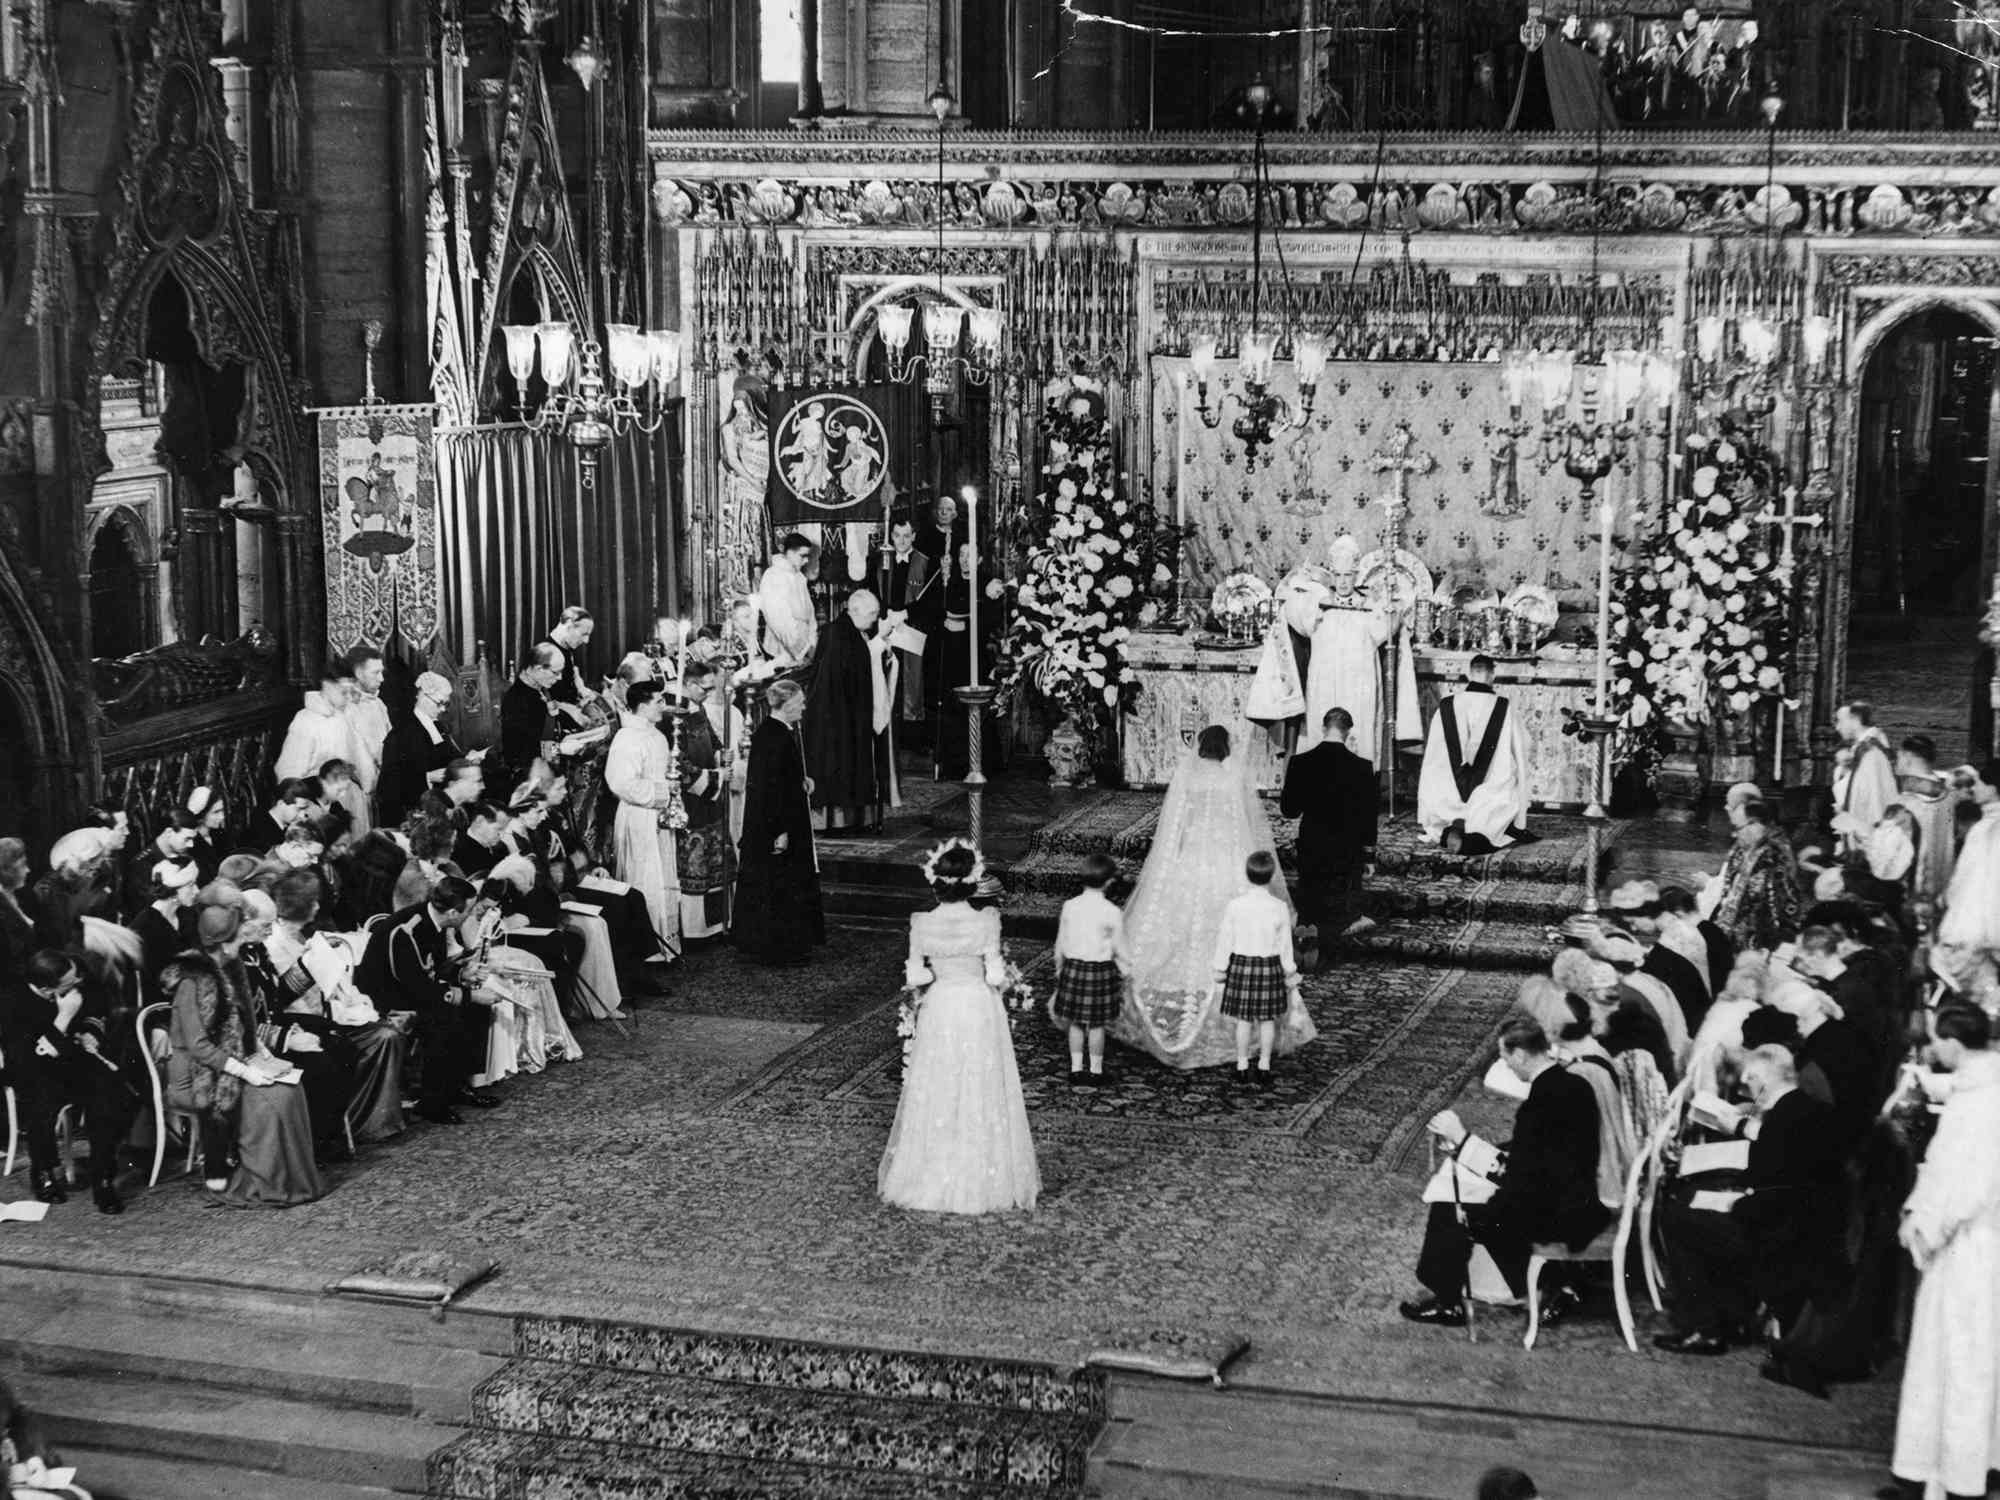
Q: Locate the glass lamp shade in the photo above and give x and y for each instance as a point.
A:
(1310, 355)
(585, 62)
(631, 360)
(1708, 338)
(1662, 375)
(520, 351)
(1201, 355)
(557, 345)
(1624, 378)
(943, 324)
(984, 324)
(663, 345)
(1760, 339)
(1815, 336)
(893, 318)
(1554, 373)
(1254, 357)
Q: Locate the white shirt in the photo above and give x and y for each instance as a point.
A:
(1092, 931)
(1256, 924)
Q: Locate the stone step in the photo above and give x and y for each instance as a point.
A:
(33, 1284)
(224, 1351)
(1005, 1385)
(126, 1476)
(232, 1430)
(1037, 1452)
(1179, 1442)
(502, 1465)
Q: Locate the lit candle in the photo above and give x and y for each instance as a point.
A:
(1604, 599)
(686, 628)
(972, 576)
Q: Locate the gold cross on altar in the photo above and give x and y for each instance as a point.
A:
(1788, 521)
(1397, 456)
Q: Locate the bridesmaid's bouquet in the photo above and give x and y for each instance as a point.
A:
(906, 1024)
(1017, 995)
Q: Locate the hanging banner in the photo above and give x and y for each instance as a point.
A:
(378, 516)
(829, 454)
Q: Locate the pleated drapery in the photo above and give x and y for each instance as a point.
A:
(520, 537)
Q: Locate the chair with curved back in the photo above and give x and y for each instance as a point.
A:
(162, 1110)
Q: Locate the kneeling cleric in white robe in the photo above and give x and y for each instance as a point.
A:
(1475, 775)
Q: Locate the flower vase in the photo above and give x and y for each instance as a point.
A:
(1683, 774)
(1068, 752)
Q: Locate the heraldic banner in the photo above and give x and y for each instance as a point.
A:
(378, 514)
(831, 453)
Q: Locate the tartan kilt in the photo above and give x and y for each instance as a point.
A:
(1254, 989)
(1089, 992)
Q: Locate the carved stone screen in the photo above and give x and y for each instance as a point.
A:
(1488, 509)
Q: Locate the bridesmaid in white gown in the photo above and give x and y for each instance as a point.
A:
(960, 1143)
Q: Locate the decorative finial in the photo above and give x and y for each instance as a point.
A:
(371, 338)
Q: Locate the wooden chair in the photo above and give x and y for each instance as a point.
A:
(190, 1124)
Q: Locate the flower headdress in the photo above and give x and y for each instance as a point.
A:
(930, 862)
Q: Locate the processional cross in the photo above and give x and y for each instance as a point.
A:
(1788, 521)
(1397, 456)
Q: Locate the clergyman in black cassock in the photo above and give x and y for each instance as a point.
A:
(848, 749)
(1332, 792)
(778, 914)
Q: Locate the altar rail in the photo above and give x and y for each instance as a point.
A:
(149, 767)
(1185, 689)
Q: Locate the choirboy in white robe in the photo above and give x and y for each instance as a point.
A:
(636, 771)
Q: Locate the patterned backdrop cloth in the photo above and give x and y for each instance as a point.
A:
(378, 514)
(1482, 514)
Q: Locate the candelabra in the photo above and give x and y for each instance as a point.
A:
(1265, 415)
(673, 817)
(948, 329)
(580, 405)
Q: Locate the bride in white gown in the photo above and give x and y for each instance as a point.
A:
(960, 1143)
(1210, 823)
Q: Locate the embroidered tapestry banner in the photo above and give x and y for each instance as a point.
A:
(378, 516)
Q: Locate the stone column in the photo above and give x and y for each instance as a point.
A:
(303, 629)
(694, 78)
(208, 586)
(811, 102)
(832, 52)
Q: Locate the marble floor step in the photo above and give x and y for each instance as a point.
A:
(503, 1465)
(128, 1476)
(234, 1430)
(221, 1350)
(1180, 1443)
(834, 1369)
(1043, 1452)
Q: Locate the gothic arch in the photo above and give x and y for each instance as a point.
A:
(144, 551)
(1875, 317)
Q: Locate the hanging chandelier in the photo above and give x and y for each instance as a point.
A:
(1264, 417)
(580, 404)
(960, 342)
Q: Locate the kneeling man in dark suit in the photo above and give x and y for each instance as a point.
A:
(1331, 790)
(1547, 1191)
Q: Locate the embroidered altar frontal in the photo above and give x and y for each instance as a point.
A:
(1184, 690)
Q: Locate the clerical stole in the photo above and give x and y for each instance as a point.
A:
(1469, 775)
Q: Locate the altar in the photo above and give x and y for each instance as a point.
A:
(1186, 687)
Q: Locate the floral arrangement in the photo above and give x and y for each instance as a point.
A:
(1017, 995)
(1098, 566)
(1700, 618)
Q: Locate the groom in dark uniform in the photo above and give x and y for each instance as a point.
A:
(1331, 790)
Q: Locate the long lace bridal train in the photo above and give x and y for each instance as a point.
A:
(960, 1143)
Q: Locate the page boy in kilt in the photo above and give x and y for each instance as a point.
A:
(1092, 963)
(1255, 966)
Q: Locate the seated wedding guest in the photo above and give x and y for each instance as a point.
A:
(430, 846)
(533, 917)
(1565, 1020)
(1836, 1066)
(416, 752)
(526, 1029)
(1860, 979)
(294, 799)
(341, 802)
(79, 882)
(17, 910)
(405, 968)
(1693, 936)
(59, 1053)
(463, 783)
(1712, 1055)
(477, 848)
(315, 979)
(206, 817)
(1773, 1244)
(1547, 1191)
(1622, 951)
(326, 1071)
(170, 846)
(166, 925)
(1636, 905)
(1620, 1018)
(252, 1110)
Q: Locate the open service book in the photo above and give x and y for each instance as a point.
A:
(1476, 1170)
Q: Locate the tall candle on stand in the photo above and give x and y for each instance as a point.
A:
(1604, 598)
(972, 575)
(685, 627)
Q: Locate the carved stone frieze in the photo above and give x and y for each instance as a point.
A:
(1912, 270)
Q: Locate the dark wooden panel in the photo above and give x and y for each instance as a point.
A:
(151, 766)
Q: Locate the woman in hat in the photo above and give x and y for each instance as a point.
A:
(206, 816)
(221, 1072)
